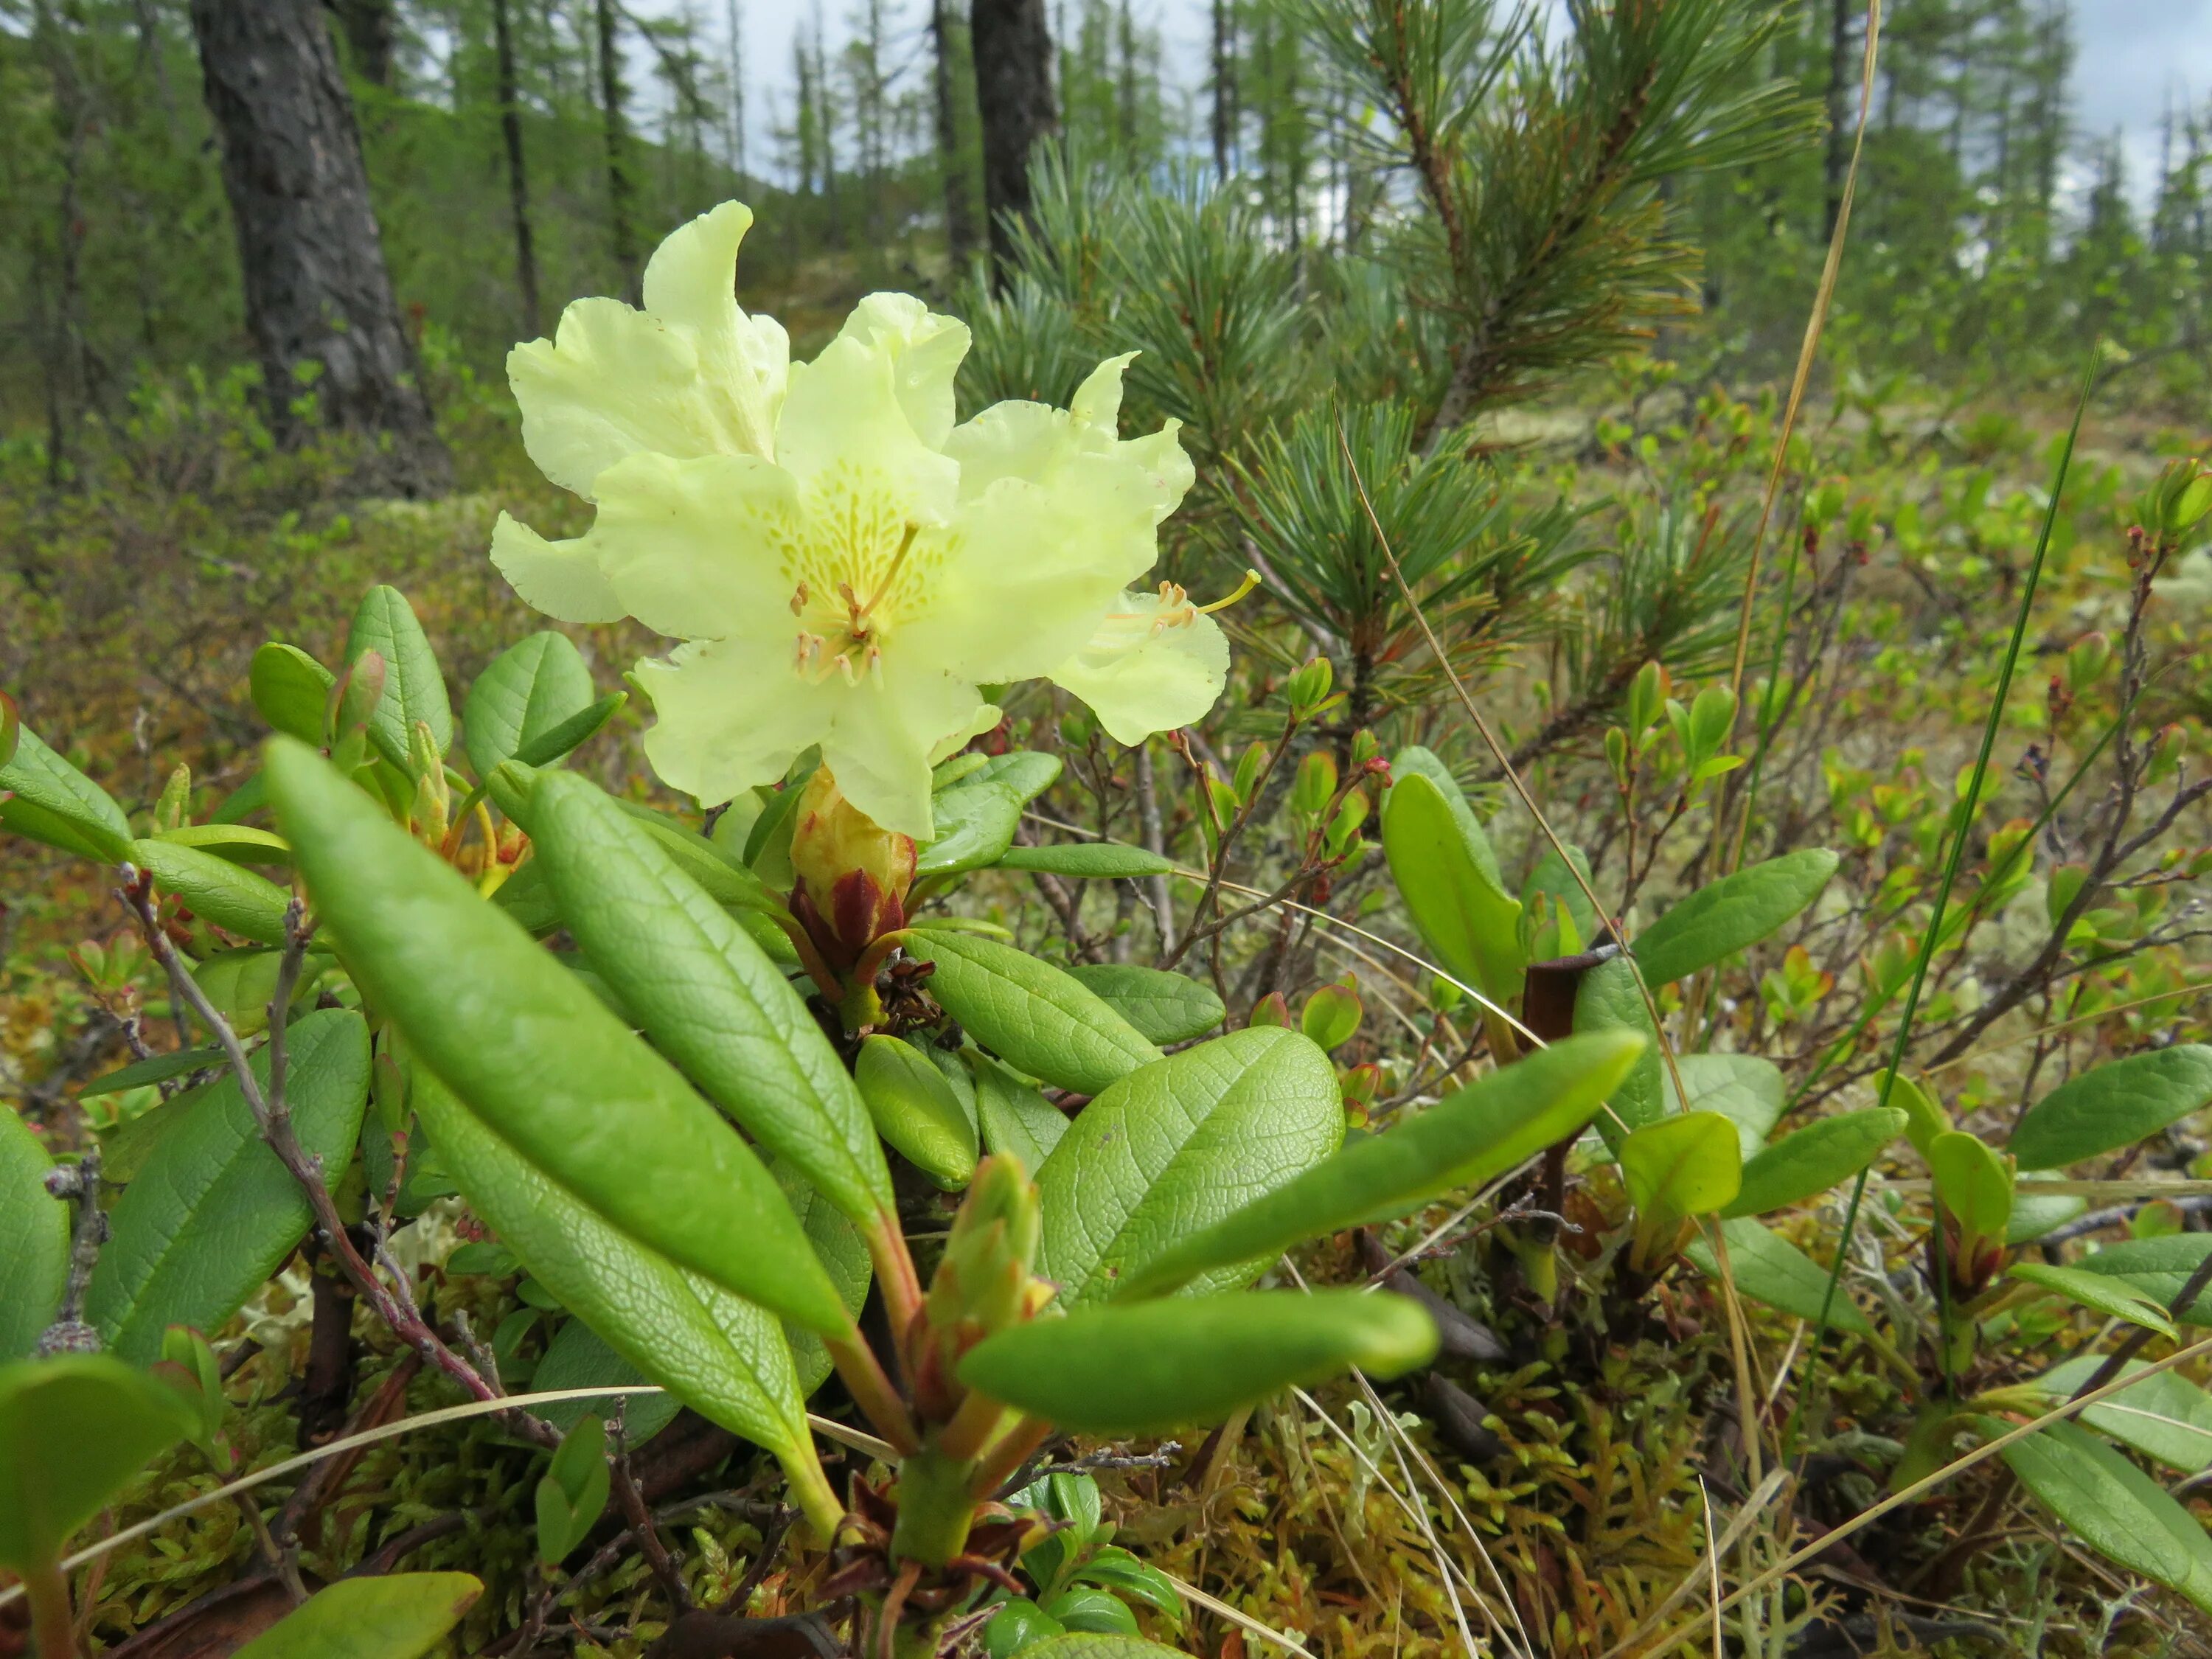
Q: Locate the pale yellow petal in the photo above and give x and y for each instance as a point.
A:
(729, 716)
(562, 579)
(1153, 665)
(699, 548)
(690, 284)
(844, 434)
(887, 726)
(1097, 401)
(925, 350)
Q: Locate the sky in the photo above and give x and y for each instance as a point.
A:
(2134, 57)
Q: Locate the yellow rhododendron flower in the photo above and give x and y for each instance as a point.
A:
(844, 565)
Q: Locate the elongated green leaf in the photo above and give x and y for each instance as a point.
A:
(843, 1253)
(1607, 1001)
(1027, 772)
(975, 822)
(2157, 1268)
(401, 1615)
(1031, 1014)
(1742, 1088)
(72, 1428)
(2034, 1214)
(708, 997)
(2116, 1509)
(1145, 1367)
(240, 984)
(1089, 860)
(1815, 1159)
(529, 689)
(564, 736)
(1178, 1145)
(1729, 914)
(239, 843)
(2164, 1416)
(414, 685)
(1444, 868)
(292, 690)
(1493, 1124)
(914, 1109)
(1088, 1645)
(2114, 1106)
(1682, 1166)
(35, 1239)
(1974, 1183)
(46, 800)
(572, 1492)
(1923, 1118)
(1012, 1115)
(1554, 876)
(2106, 1295)
(535, 1056)
(1164, 1007)
(214, 1213)
(1768, 1268)
(234, 899)
(724, 1357)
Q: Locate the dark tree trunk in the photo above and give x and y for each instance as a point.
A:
(1838, 160)
(1013, 91)
(618, 189)
(517, 183)
(1225, 87)
(371, 32)
(316, 287)
(959, 209)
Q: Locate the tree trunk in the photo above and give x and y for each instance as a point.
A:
(959, 209)
(1225, 87)
(371, 31)
(1838, 160)
(1013, 91)
(618, 186)
(312, 266)
(517, 183)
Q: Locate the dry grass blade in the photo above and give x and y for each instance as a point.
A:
(1244, 1621)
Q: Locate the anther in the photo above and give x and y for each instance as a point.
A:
(799, 600)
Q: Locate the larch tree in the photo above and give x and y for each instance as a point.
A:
(1013, 94)
(310, 256)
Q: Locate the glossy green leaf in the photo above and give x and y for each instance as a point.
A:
(535, 1057)
(35, 1239)
(1012, 1115)
(1924, 1118)
(571, 1493)
(1815, 1159)
(1768, 1268)
(1742, 1088)
(843, 1253)
(1682, 1166)
(1027, 772)
(1128, 1576)
(1086, 1644)
(563, 738)
(1081, 1607)
(1165, 1007)
(915, 1110)
(1444, 869)
(708, 997)
(1730, 915)
(400, 1615)
(724, 1357)
(214, 1213)
(239, 843)
(1089, 860)
(1974, 1183)
(414, 685)
(975, 822)
(292, 690)
(1030, 1012)
(240, 984)
(2108, 1295)
(1177, 1147)
(2165, 1415)
(532, 687)
(72, 1430)
(578, 1357)
(2034, 1214)
(1608, 1000)
(43, 798)
(1495, 1124)
(234, 899)
(1018, 1627)
(2113, 1506)
(2113, 1106)
(2157, 1268)
(1146, 1367)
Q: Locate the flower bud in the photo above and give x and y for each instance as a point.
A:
(1274, 1009)
(1310, 687)
(853, 874)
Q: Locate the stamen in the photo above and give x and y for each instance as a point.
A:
(845, 667)
(799, 600)
(1251, 580)
(890, 574)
